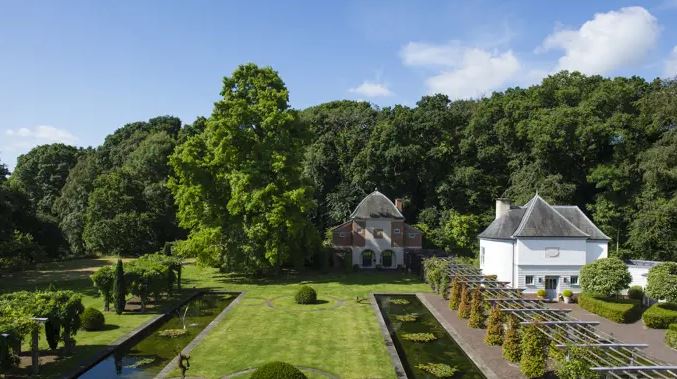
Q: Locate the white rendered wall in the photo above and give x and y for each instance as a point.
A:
(497, 258)
(540, 272)
(377, 244)
(596, 249)
(638, 275)
(531, 251)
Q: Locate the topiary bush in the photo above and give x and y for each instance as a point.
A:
(534, 348)
(541, 292)
(464, 304)
(511, 341)
(455, 294)
(306, 295)
(92, 319)
(671, 336)
(278, 370)
(660, 315)
(477, 315)
(567, 293)
(661, 284)
(494, 334)
(605, 277)
(619, 310)
(636, 292)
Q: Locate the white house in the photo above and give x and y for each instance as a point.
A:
(376, 233)
(539, 245)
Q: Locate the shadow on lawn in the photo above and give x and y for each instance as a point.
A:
(52, 363)
(360, 278)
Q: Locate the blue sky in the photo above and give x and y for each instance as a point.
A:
(74, 71)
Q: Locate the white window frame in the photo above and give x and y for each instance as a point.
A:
(526, 280)
(396, 231)
(412, 236)
(551, 252)
(572, 282)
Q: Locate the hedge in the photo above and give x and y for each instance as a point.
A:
(278, 370)
(619, 310)
(92, 319)
(671, 336)
(660, 315)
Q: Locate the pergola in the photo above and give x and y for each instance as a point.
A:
(606, 355)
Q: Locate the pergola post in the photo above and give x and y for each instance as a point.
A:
(35, 345)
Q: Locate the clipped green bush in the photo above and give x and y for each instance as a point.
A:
(477, 316)
(92, 319)
(661, 284)
(494, 335)
(572, 364)
(671, 336)
(306, 295)
(464, 304)
(455, 294)
(278, 370)
(534, 347)
(605, 277)
(511, 341)
(636, 292)
(438, 370)
(660, 315)
(567, 293)
(541, 292)
(623, 311)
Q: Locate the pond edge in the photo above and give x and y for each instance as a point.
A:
(400, 373)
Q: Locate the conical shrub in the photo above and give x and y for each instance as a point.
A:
(477, 316)
(494, 334)
(455, 294)
(464, 305)
(511, 341)
(534, 347)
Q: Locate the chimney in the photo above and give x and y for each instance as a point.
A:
(502, 206)
(398, 204)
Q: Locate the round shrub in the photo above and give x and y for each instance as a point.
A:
(636, 292)
(92, 319)
(278, 370)
(541, 292)
(567, 293)
(306, 295)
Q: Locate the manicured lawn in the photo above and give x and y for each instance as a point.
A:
(340, 335)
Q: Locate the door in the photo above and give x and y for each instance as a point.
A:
(367, 257)
(387, 258)
(551, 286)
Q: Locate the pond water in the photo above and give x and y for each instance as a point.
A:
(442, 350)
(148, 356)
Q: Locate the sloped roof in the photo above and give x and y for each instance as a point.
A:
(537, 218)
(376, 205)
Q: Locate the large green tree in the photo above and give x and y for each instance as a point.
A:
(239, 185)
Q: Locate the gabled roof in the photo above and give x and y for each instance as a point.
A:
(376, 205)
(537, 218)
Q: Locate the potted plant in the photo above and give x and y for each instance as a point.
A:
(567, 296)
(541, 293)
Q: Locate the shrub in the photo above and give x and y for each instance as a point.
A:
(534, 348)
(671, 336)
(103, 280)
(605, 277)
(455, 294)
(119, 288)
(438, 370)
(494, 334)
(567, 293)
(572, 365)
(662, 282)
(477, 315)
(92, 319)
(435, 273)
(306, 295)
(511, 341)
(464, 305)
(278, 370)
(419, 337)
(541, 292)
(636, 292)
(660, 315)
(618, 310)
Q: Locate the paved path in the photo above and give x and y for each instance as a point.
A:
(628, 333)
(491, 355)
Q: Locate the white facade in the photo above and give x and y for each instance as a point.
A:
(378, 245)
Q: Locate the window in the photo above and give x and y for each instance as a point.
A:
(378, 233)
(552, 252)
(396, 231)
(342, 234)
(574, 280)
(529, 279)
(412, 235)
(482, 256)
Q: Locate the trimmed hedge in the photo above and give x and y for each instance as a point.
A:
(278, 370)
(660, 315)
(636, 292)
(671, 336)
(92, 319)
(306, 295)
(619, 310)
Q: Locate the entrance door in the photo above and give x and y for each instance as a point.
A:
(367, 257)
(551, 286)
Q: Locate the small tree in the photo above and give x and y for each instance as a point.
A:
(464, 305)
(662, 282)
(494, 334)
(103, 280)
(534, 348)
(477, 315)
(511, 341)
(605, 277)
(119, 288)
(455, 293)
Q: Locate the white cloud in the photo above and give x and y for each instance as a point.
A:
(19, 141)
(607, 42)
(372, 89)
(671, 64)
(463, 72)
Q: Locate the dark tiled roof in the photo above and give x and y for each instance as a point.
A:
(537, 218)
(376, 205)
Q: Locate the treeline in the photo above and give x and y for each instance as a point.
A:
(237, 187)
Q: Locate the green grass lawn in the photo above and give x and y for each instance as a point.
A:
(338, 335)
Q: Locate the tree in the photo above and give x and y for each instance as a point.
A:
(239, 185)
(662, 282)
(477, 315)
(494, 335)
(605, 277)
(464, 305)
(119, 288)
(104, 279)
(455, 293)
(534, 348)
(511, 341)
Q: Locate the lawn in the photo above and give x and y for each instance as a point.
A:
(338, 336)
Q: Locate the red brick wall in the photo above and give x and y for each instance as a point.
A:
(358, 233)
(347, 231)
(416, 241)
(397, 238)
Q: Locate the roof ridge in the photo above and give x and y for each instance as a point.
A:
(590, 221)
(375, 193)
(530, 207)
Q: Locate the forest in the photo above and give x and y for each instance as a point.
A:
(257, 184)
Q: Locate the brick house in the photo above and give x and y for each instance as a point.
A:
(376, 233)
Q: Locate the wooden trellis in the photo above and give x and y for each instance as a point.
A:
(606, 355)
